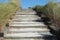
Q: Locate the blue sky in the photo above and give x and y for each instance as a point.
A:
(2, 1)
(30, 3)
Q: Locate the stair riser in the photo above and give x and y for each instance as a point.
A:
(27, 20)
(29, 32)
(28, 27)
(26, 16)
(28, 39)
(28, 23)
(36, 38)
(24, 20)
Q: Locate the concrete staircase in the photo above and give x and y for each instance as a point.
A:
(25, 27)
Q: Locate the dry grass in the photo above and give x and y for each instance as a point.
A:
(6, 10)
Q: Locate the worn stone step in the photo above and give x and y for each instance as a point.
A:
(24, 39)
(31, 39)
(19, 35)
(23, 13)
(28, 10)
(19, 20)
(18, 30)
(25, 19)
(27, 24)
(24, 16)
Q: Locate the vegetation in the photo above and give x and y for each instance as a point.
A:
(50, 10)
(38, 9)
(6, 11)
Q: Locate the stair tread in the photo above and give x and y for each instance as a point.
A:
(27, 24)
(25, 13)
(26, 16)
(27, 29)
(27, 34)
(23, 19)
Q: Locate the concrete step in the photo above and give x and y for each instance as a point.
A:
(24, 16)
(28, 10)
(18, 30)
(19, 20)
(23, 13)
(25, 19)
(22, 35)
(24, 39)
(31, 39)
(27, 24)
